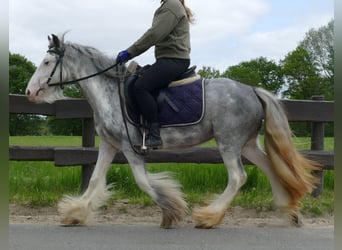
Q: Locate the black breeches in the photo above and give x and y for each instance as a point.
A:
(156, 77)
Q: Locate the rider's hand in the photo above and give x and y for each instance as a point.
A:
(123, 57)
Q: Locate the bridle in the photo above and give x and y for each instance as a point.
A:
(59, 52)
(60, 56)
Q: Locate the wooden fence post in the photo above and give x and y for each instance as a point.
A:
(88, 140)
(317, 143)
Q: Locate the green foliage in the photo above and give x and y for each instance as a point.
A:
(309, 69)
(208, 72)
(320, 46)
(302, 76)
(258, 72)
(20, 72)
(26, 124)
(42, 184)
(64, 127)
(304, 72)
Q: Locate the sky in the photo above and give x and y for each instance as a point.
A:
(225, 33)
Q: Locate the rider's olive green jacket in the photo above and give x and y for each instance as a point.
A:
(169, 33)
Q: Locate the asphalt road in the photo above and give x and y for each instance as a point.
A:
(50, 237)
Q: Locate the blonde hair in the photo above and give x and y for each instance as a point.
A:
(188, 12)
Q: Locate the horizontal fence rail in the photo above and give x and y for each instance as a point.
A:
(316, 111)
(297, 110)
(73, 156)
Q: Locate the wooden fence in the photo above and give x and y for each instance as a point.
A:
(316, 111)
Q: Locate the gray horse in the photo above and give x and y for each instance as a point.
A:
(233, 117)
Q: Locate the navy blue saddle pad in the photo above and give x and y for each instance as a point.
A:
(182, 105)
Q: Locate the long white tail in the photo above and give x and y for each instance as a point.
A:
(293, 168)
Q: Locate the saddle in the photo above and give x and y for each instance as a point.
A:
(179, 96)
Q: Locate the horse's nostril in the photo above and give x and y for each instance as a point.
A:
(28, 92)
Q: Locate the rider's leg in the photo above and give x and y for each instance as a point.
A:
(158, 76)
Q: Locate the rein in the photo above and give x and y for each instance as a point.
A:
(60, 54)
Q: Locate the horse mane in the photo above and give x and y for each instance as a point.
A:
(91, 55)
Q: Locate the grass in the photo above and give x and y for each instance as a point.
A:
(43, 184)
(40, 183)
(53, 141)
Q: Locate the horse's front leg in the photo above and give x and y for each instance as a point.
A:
(165, 191)
(76, 210)
(212, 215)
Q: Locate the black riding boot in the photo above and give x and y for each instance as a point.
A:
(154, 140)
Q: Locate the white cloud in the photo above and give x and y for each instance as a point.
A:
(218, 19)
(272, 34)
(278, 43)
(106, 25)
(226, 32)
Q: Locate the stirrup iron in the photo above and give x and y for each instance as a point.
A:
(144, 148)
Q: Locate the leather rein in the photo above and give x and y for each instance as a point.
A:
(60, 53)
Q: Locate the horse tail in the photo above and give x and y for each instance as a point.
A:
(293, 169)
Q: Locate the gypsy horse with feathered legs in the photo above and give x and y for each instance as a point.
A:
(233, 117)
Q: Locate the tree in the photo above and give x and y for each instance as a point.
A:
(303, 82)
(20, 72)
(258, 72)
(66, 126)
(309, 69)
(208, 72)
(320, 46)
(302, 75)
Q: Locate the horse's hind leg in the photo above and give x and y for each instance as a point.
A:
(164, 191)
(212, 215)
(253, 152)
(80, 210)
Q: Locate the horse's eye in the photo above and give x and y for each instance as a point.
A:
(46, 62)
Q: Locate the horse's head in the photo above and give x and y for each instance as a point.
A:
(38, 89)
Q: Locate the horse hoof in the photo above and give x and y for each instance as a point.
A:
(70, 222)
(295, 220)
(207, 218)
(203, 226)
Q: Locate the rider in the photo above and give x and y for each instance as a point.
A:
(170, 35)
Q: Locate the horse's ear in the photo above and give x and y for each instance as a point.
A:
(56, 42)
(50, 42)
(53, 41)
